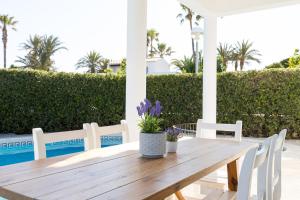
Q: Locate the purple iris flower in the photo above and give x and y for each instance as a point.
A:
(146, 108)
(152, 111)
(142, 106)
(174, 132)
(158, 108)
(147, 105)
(140, 113)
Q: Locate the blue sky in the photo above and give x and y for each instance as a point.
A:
(101, 25)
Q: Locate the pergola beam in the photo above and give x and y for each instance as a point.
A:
(230, 7)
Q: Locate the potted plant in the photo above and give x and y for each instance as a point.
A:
(173, 134)
(152, 139)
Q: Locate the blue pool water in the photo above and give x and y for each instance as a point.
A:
(12, 153)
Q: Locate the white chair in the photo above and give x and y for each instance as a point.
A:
(254, 159)
(40, 139)
(97, 132)
(202, 126)
(213, 180)
(274, 173)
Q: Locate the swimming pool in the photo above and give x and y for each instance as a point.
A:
(22, 151)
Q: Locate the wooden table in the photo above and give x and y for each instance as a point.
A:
(120, 173)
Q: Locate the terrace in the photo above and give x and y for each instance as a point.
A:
(139, 178)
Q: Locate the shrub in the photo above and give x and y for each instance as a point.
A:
(282, 64)
(274, 65)
(58, 101)
(266, 101)
(294, 61)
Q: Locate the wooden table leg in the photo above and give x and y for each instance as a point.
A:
(179, 195)
(232, 172)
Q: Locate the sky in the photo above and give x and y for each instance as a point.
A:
(100, 25)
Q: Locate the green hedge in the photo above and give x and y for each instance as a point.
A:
(58, 101)
(266, 101)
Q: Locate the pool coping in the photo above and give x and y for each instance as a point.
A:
(13, 138)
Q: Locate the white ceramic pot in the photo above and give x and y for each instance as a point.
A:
(172, 146)
(153, 145)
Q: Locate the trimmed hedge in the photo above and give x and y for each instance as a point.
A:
(58, 101)
(266, 101)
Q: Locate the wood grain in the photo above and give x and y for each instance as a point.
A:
(179, 195)
(119, 171)
(232, 172)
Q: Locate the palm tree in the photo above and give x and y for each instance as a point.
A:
(152, 35)
(104, 65)
(192, 18)
(5, 23)
(163, 50)
(246, 53)
(93, 61)
(40, 50)
(225, 53)
(33, 46)
(187, 64)
(235, 57)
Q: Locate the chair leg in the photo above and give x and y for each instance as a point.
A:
(179, 195)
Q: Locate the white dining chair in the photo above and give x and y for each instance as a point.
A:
(274, 173)
(235, 128)
(254, 159)
(40, 139)
(97, 132)
(214, 180)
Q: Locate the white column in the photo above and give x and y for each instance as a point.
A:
(210, 72)
(136, 62)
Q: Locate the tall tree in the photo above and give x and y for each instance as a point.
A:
(225, 54)
(235, 57)
(152, 35)
(40, 50)
(93, 61)
(163, 50)
(246, 53)
(192, 18)
(5, 23)
(187, 64)
(33, 46)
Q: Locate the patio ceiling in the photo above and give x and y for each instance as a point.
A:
(230, 7)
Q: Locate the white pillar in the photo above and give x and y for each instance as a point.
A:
(210, 72)
(136, 62)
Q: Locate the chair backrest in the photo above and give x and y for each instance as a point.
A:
(97, 132)
(40, 139)
(255, 158)
(262, 173)
(274, 172)
(236, 128)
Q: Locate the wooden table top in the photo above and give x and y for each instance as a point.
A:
(118, 172)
